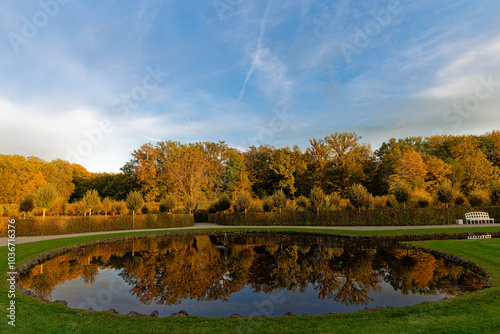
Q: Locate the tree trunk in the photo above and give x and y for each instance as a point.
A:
(133, 220)
(43, 214)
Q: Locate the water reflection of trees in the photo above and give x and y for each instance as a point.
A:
(165, 271)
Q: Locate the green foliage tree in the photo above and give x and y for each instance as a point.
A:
(279, 199)
(46, 196)
(359, 196)
(318, 198)
(92, 200)
(401, 191)
(445, 192)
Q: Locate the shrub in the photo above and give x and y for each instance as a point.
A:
(303, 202)
(243, 202)
(359, 196)
(401, 191)
(279, 199)
(479, 197)
(317, 197)
(445, 192)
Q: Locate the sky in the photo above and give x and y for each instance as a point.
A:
(91, 81)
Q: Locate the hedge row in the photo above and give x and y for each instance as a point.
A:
(382, 217)
(35, 226)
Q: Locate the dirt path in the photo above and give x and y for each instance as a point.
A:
(22, 240)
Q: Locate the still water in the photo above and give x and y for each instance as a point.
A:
(250, 274)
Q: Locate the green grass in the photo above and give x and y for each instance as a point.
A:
(475, 313)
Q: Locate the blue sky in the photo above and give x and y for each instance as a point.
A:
(90, 81)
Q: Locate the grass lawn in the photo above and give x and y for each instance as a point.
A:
(475, 313)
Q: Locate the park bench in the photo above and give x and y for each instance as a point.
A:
(478, 217)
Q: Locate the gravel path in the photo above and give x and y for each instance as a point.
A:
(22, 240)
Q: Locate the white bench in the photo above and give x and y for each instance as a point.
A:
(478, 217)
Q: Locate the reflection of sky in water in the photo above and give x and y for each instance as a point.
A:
(110, 291)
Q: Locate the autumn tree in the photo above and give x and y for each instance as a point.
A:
(410, 169)
(279, 199)
(318, 198)
(262, 178)
(303, 202)
(146, 170)
(236, 175)
(167, 203)
(402, 192)
(243, 201)
(319, 162)
(437, 170)
(216, 156)
(134, 203)
(92, 200)
(445, 192)
(184, 169)
(472, 169)
(106, 205)
(479, 197)
(359, 196)
(348, 157)
(282, 165)
(27, 204)
(46, 196)
(494, 189)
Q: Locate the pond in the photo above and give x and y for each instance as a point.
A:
(216, 275)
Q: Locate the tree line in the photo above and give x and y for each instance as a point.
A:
(417, 171)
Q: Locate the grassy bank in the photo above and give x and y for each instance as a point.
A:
(473, 313)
